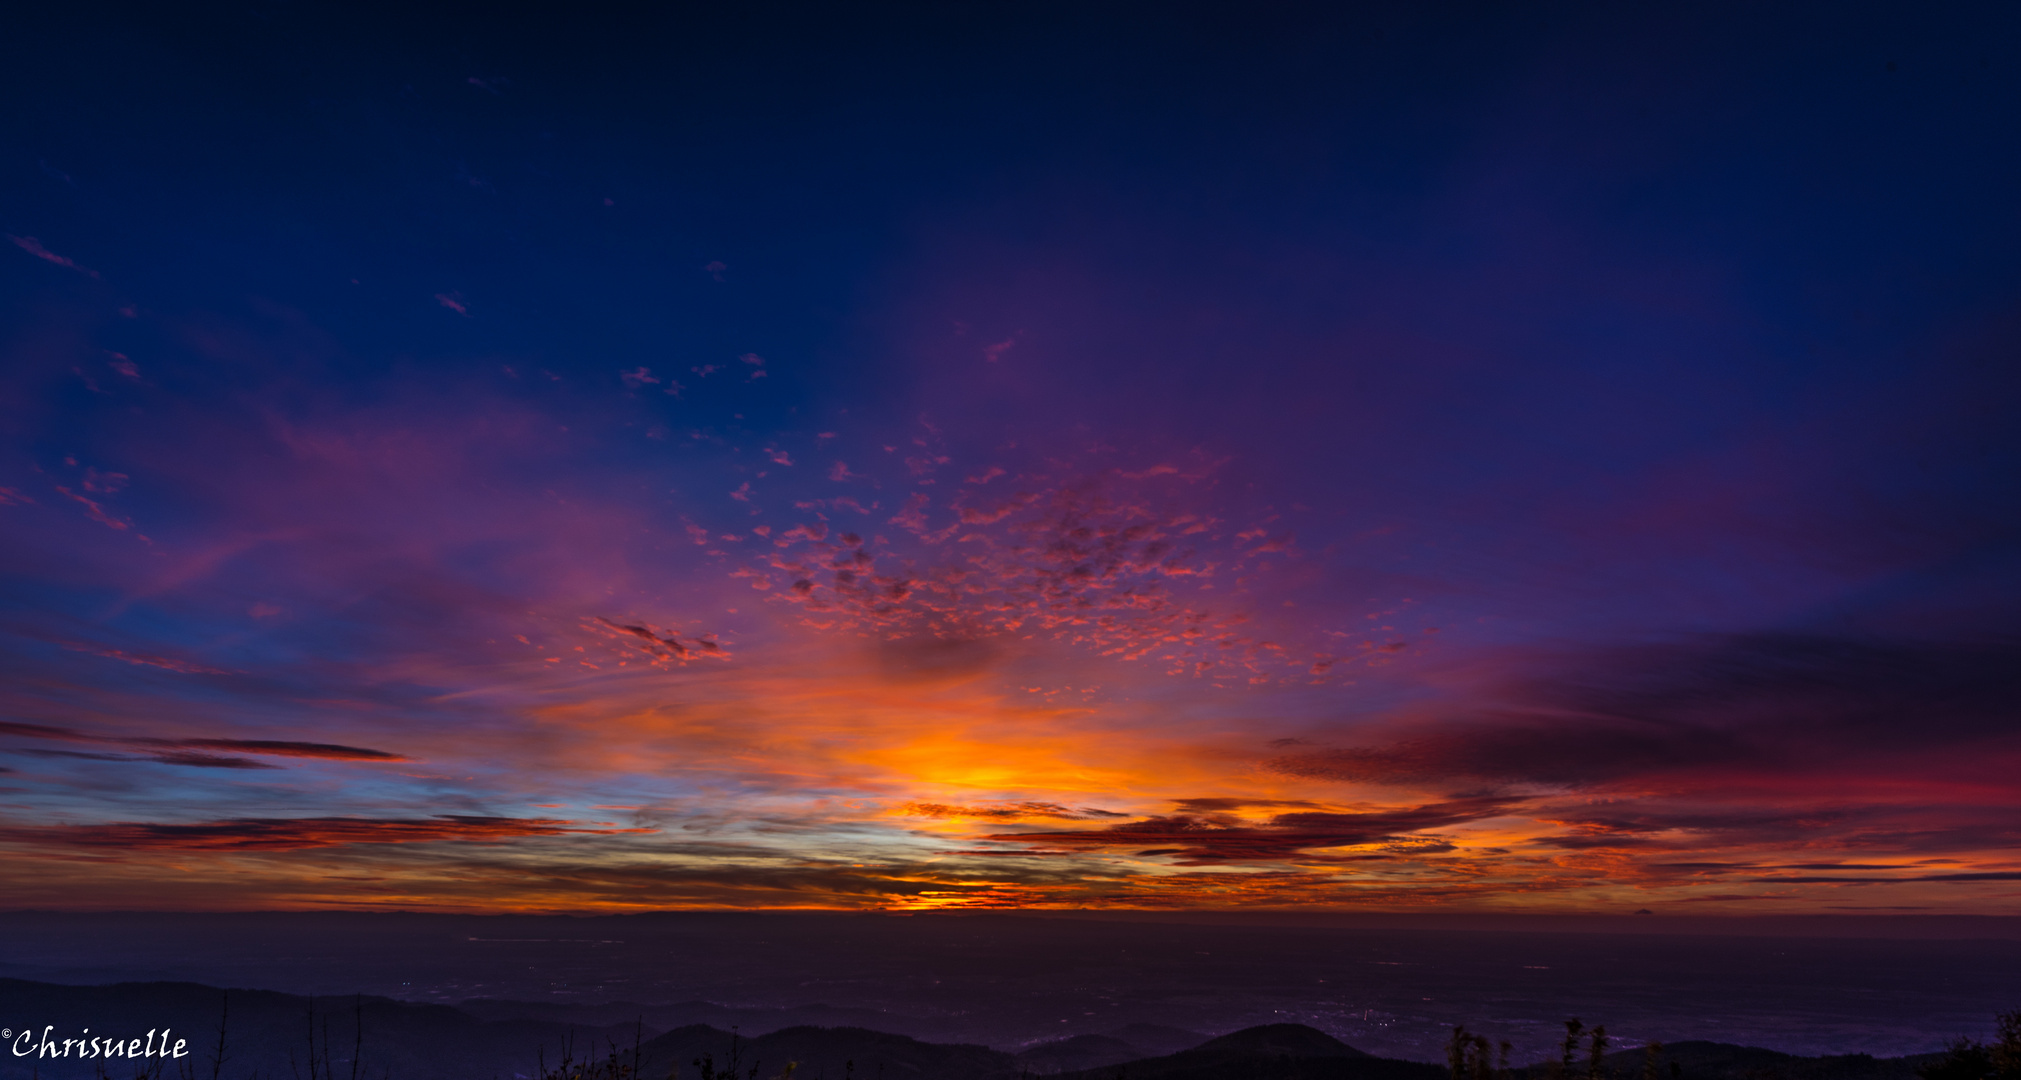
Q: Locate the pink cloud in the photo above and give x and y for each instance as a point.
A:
(34, 247)
(163, 662)
(97, 511)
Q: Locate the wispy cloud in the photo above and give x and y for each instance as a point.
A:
(187, 747)
(34, 247)
(289, 834)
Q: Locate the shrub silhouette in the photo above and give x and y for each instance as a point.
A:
(1969, 1059)
(1468, 1056)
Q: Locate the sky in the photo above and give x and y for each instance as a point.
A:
(1449, 457)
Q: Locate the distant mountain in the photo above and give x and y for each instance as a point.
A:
(1270, 1052)
(1280, 1040)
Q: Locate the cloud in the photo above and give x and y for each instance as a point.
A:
(290, 748)
(657, 646)
(1763, 702)
(290, 834)
(1023, 811)
(97, 511)
(146, 659)
(1992, 875)
(43, 731)
(34, 247)
(208, 761)
(1089, 561)
(1217, 838)
(454, 302)
(188, 751)
(195, 760)
(1224, 805)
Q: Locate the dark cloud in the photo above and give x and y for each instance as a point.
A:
(191, 751)
(1990, 875)
(289, 834)
(1762, 701)
(1020, 811)
(200, 761)
(1830, 866)
(1213, 838)
(288, 748)
(208, 761)
(41, 731)
(1213, 806)
(1549, 750)
(1670, 827)
(81, 755)
(1886, 692)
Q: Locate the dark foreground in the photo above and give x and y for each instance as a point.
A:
(1394, 987)
(244, 1034)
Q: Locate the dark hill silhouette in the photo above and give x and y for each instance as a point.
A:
(1281, 1040)
(1701, 1060)
(1270, 1052)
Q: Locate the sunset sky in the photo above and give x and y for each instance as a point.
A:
(1435, 457)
